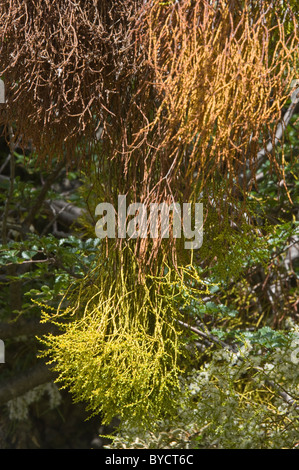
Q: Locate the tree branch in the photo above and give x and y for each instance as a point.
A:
(212, 339)
(42, 195)
(262, 154)
(17, 386)
(12, 145)
(209, 337)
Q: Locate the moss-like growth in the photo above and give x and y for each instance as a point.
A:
(120, 348)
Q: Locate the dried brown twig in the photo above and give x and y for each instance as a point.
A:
(180, 93)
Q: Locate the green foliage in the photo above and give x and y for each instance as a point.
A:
(234, 401)
(120, 350)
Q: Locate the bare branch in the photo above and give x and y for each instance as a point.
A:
(263, 153)
(12, 145)
(17, 386)
(42, 195)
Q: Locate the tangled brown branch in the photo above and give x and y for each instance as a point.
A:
(175, 99)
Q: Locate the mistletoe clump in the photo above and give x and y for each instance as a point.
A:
(119, 349)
